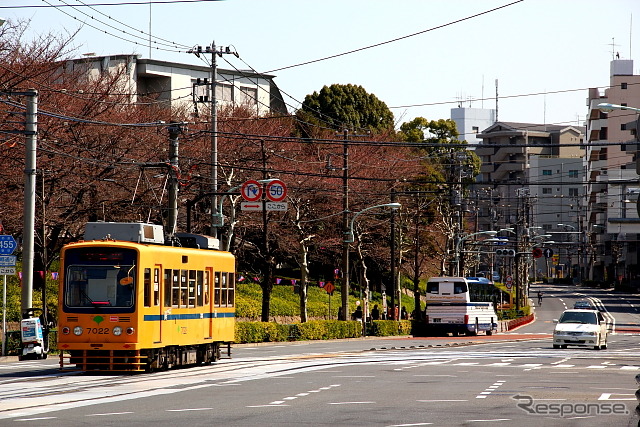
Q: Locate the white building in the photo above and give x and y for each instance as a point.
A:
(471, 121)
(177, 83)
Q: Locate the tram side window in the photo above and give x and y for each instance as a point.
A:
(232, 289)
(175, 288)
(433, 287)
(167, 287)
(199, 288)
(192, 288)
(147, 287)
(207, 287)
(216, 289)
(156, 286)
(183, 288)
(223, 293)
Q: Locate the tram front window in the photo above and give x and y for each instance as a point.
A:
(91, 286)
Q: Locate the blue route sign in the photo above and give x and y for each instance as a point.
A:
(7, 244)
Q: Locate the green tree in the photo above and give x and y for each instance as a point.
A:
(338, 106)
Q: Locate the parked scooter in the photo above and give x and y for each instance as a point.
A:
(34, 331)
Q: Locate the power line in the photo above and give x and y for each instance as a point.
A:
(396, 39)
(128, 3)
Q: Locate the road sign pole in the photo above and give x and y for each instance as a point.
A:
(4, 315)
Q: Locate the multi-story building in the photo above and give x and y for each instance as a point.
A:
(471, 121)
(177, 83)
(612, 224)
(534, 174)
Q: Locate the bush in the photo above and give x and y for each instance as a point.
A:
(381, 328)
(247, 332)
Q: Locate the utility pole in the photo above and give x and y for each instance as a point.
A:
(345, 226)
(31, 130)
(216, 217)
(395, 291)
(172, 218)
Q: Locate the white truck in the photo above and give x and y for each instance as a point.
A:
(449, 309)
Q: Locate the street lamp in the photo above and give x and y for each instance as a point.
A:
(349, 238)
(605, 106)
(460, 240)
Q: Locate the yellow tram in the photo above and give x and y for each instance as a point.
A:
(129, 302)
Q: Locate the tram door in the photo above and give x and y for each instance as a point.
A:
(157, 301)
(208, 300)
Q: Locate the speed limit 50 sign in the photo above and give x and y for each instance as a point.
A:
(276, 191)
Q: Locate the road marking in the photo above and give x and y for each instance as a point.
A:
(350, 403)
(37, 419)
(490, 389)
(265, 406)
(188, 409)
(108, 414)
(489, 421)
(442, 400)
(408, 425)
(607, 396)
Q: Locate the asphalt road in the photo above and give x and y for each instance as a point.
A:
(515, 378)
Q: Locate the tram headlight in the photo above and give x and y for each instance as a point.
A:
(77, 330)
(66, 330)
(117, 331)
(130, 331)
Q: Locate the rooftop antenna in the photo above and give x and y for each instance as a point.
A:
(630, 31)
(482, 97)
(149, 29)
(496, 100)
(613, 49)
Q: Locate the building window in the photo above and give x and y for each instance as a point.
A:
(247, 96)
(623, 126)
(573, 192)
(547, 190)
(623, 85)
(573, 173)
(475, 129)
(546, 172)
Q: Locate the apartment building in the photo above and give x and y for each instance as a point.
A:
(612, 225)
(177, 83)
(535, 175)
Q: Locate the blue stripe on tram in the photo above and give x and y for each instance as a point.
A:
(186, 316)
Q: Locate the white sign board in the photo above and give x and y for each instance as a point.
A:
(7, 260)
(257, 206)
(277, 206)
(7, 271)
(251, 206)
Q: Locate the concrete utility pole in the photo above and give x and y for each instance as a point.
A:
(216, 217)
(345, 227)
(395, 291)
(172, 218)
(31, 130)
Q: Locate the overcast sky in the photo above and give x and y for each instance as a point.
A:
(530, 47)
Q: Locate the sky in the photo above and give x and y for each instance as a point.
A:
(420, 57)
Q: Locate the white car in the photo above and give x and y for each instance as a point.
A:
(585, 328)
